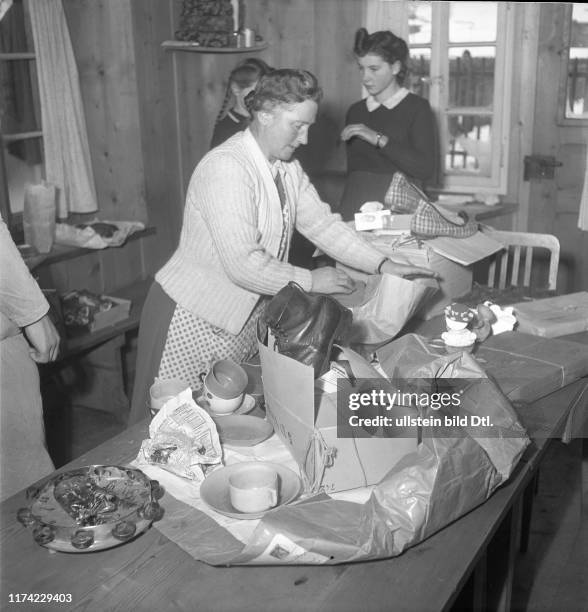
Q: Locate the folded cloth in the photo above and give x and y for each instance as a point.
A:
(89, 238)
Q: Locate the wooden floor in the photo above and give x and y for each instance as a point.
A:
(551, 575)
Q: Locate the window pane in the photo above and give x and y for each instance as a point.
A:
(419, 23)
(419, 77)
(577, 76)
(15, 34)
(472, 22)
(471, 76)
(469, 145)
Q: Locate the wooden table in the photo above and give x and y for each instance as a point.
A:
(470, 561)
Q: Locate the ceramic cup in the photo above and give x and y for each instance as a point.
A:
(254, 489)
(162, 390)
(224, 386)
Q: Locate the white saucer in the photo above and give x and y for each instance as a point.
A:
(242, 429)
(247, 405)
(214, 490)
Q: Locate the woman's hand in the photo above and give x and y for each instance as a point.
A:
(361, 131)
(331, 280)
(44, 340)
(404, 269)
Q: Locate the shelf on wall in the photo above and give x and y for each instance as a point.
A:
(181, 45)
(61, 252)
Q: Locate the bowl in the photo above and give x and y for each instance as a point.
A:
(226, 379)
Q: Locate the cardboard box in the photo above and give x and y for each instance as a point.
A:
(305, 419)
(119, 312)
(75, 314)
(552, 317)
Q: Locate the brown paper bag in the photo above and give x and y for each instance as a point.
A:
(383, 304)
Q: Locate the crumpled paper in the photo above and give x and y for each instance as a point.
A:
(183, 439)
(88, 238)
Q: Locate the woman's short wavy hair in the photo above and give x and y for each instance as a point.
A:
(388, 46)
(282, 87)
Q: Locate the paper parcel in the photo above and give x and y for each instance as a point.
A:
(305, 419)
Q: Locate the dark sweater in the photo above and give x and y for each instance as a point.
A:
(230, 124)
(410, 130)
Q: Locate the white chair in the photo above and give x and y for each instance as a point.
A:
(513, 266)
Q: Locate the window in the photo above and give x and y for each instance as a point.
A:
(458, 56)
(21, 150)
(573, 106)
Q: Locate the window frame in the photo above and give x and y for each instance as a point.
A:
(563, 74)
(14, 220)
(497, 182)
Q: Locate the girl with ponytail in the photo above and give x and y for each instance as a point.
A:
(234, 115)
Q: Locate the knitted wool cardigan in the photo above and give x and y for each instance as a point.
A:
(226, 257)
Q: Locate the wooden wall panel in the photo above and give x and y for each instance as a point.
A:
(102, 38)
(336, 22)
(317, 36)
(201, 85)
(152, 24)
(554, 203)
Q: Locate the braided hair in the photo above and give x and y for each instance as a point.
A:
(245, 74)
(387, 45)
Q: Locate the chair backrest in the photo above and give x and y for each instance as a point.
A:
(516, 261)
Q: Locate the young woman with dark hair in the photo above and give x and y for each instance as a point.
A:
(391, 130)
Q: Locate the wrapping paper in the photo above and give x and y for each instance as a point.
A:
(449, 474)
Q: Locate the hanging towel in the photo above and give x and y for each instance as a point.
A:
(65, 141)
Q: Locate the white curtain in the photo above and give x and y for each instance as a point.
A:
(387, 15)
(67, 154)
(583, 216)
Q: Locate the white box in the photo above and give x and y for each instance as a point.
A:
(371, 220)
(305, 419)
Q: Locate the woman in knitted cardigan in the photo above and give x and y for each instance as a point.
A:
(244, 200)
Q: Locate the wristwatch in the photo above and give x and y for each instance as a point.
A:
(378, 138)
